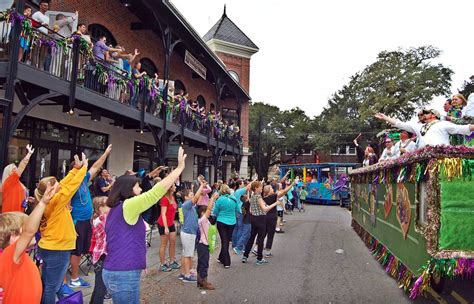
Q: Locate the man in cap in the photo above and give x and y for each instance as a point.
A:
(432, 131)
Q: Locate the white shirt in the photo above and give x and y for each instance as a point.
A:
(468, 110)
(408, 145)
(41, 18)
(391, 153)
(437, 134)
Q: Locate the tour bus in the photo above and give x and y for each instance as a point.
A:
(326, 183)
(416, 215)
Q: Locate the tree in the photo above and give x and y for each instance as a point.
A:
(397, 83)
(263, 137)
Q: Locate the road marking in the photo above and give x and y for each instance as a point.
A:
(458, 297)
(436, 296)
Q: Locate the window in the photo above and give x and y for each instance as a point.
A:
(178, 85)
(201, 165)
(343, 150)
(201, 101)
(234, 75)
(144, 157)
(148, 66)
(303, 152)
(97, 30)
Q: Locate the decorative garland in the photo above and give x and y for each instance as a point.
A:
(406, 279)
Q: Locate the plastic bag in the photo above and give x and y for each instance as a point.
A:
(212, 237)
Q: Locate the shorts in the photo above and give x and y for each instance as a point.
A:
(280, 213)
(83, 240)
(188, 241)
(161, 230)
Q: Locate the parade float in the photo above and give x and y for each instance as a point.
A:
(326, 183)
(416, 215)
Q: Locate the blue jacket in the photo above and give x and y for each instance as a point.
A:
(226, 209)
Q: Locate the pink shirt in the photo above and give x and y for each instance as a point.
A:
(203, 224)
(204, 199)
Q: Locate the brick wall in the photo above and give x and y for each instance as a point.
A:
(117, 18)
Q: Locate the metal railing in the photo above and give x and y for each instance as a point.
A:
(53, 54)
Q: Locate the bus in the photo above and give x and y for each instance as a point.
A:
(326, 183)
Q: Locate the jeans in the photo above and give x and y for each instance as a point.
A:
(134, 97)
(237, 230)
(225, 233)
(124, 286)
(55, 263)
(270, 223)
(258, 230)
(100, 290)
(244, 236)
(203, 260)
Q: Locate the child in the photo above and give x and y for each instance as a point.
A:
(20, 277)
(189, 231)
(303, 194)
(98, 243)
(203, 245)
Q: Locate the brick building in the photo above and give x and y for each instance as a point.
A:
(61, 111)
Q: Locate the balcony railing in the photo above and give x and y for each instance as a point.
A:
(53, 54)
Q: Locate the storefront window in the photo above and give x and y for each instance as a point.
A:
(201, 166)
(92, 140)
(144, 157)
(53, 132)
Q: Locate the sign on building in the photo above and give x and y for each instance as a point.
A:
(195, 65)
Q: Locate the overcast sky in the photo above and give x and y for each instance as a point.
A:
(309, 49)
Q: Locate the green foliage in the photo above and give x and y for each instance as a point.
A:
(396, 84)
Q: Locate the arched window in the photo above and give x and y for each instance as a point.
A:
(178, 85)
(98, 30)
(202, 102)
(234, 75)
(148, 66)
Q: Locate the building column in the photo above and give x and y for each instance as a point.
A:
(244, 164)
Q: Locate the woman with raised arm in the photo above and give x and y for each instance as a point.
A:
(258, 210)
(15, 194)
(125, 230)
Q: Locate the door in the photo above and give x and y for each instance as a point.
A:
(62, 166)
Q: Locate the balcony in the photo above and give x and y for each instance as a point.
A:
(48, 60)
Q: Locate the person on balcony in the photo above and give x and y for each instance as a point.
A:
(24, 39)
(65, 24)
(136, 78)
(41, 17)
(100, 48)
(432, 131)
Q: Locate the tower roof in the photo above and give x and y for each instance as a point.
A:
(226, 30)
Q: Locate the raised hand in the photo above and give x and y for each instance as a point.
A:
(30, 149)
(109, 148)
(78, 164)
(181, 158)
(215, 196)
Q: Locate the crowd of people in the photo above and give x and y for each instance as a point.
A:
(112, 71)
(90, 213)
(432, 128)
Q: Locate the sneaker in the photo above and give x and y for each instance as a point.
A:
(254, 252)
(268, 255)
(227, 267)
(261, 262)
(78, 283)
(107, 296)
(181, 276)
(279, 231)
(165, 268)
(175, 265)
(219, 261)
(244, 259)
(65, 291)
(237, 251)
(190, 279)
(284, 221)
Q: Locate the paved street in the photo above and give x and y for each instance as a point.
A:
(305, 269)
